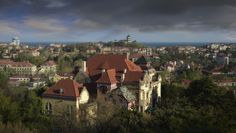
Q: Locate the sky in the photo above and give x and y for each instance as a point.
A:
(108, 20)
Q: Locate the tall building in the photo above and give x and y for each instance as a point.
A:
(15, 41)
(128, 39)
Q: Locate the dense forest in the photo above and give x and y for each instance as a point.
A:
(202, 107)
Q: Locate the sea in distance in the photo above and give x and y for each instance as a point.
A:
(150, 44)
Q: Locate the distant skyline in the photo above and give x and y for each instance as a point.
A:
(107, 20)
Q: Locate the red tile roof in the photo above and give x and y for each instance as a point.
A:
(22, 64)
(118, 62)
(71, 90)
(49, 63)
(133, 77)
(15, 64)
(105, 65)
(5, 61)
(108, 77)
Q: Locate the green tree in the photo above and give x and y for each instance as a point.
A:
(3, 80)
(8, 109)
(82, 77)
(14, 128)
(65, 64)
(204, 92)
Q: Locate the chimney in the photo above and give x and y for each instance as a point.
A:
(123, 75)
(159, 78)
(127, 55)
(125, 70)
(84, 66)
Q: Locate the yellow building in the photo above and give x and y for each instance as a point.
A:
(65, 98)
(18, 68)
(56, 77)
(49, 67)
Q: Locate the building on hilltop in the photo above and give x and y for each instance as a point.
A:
(15, 41)
(111, 71)
(128, 39)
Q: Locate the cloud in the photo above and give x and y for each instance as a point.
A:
(88, 25)
(45, 25)
(144, 15)
(124, 16)
(8, 27)
(55, 4)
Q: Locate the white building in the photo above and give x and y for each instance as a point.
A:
(15, 41)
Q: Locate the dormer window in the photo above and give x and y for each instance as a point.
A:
(103, 70)
(61, 90)
(125, 70)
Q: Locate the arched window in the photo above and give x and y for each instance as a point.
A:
(49, 107)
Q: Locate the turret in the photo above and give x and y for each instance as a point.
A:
(159, 78)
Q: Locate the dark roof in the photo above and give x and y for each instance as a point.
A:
(143, 60)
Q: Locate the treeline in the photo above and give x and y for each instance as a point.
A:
(123, 44)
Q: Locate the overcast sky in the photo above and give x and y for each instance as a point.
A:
(104, 20)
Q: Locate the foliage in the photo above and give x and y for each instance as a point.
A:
(14, 128)
(65, 64)
(123, 44)
(20, 105)
(82, 77)
(3, 79)
(36, 60)
(190, 75)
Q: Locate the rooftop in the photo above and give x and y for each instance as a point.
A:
(64, 89)
(108, 77)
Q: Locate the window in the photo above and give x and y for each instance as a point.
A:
(70, 109)
(141, 96)
(141, 108)
(114, 101)
(49, 108)
(121, 101)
